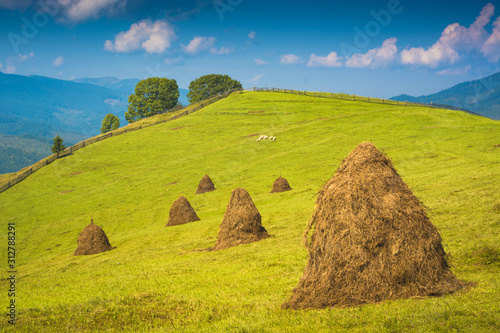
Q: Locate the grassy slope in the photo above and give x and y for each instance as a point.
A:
(154, 279)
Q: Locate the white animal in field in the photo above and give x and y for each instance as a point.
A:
(265, 137)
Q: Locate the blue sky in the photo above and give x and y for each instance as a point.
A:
(371, 48)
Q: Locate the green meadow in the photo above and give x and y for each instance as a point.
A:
(162, 279)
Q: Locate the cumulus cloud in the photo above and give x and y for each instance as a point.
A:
(199, 44)
(152, 37)
(252, 35)
(15, 4)
(58, 61)
(260, 62)
(331, 60)
(491, 47)
(453, 39)
(82, 10)
(290, 59)
(222, 50)
(24, 57)
(8, 69)
(377, 57)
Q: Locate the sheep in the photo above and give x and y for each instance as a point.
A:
(265, 137)
(258, 139)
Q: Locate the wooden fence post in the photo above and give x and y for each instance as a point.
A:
(354, 96)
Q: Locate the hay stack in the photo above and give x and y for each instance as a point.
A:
(181, 212)
(92, 240)
(372, 240)
(205, 185)
(242, 222)
(280, 185)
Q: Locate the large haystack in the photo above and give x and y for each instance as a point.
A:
(205, 185)
(280, 185)
(181, 212)
(372, 240)
(92, 240)
(242, 222)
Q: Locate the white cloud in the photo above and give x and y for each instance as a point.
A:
(222, 50)
(260, 62)
(152, 37)
(455, 71)
(24, 57)
(198, 44)
(82, 10)
(58, 61)
(69, 11)
(491, 47)
(331, 60)
(377, 57)
(15, 4)
(290, 59)
(453, 39)
(252, 35)
(174, 61)
(9, 69)
(256, 79)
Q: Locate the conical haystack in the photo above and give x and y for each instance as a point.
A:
(181, 212)
(372, 240)
(205, 185)
(280, 185)
(242, 222)
(92, 240)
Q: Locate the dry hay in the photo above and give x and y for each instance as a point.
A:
(181, 212)
(92, 240)
(242, 222)
(372, 240)
(205, 185)
(280, 185)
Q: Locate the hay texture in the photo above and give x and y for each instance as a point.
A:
(205, 185)
(92, 240)
(280, 185)
(242, 222)
(372, 240)
(181, 212)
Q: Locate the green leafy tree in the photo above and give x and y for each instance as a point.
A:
(210, 85)
(58, 145)
(110, 123)
(152, 96)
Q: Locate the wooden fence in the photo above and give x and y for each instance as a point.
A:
(354, 98)
(25, 172)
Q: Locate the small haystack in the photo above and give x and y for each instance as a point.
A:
(280, 185)
(92, 240)
(181, 212)
(242, 222)
(205, 185)
(372, 240)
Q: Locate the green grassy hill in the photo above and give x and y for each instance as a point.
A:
(157, 279)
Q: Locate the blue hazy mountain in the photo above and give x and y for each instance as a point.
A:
(126, 86)
(33, 109)
(481, 96)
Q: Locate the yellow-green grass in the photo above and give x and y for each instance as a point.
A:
(157, 280)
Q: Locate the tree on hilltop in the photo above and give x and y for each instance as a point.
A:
(58, 145)
(210, 85)
(110, 123)
(152, 96)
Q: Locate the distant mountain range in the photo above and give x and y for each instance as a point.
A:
(479, 96)
(33, 109)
